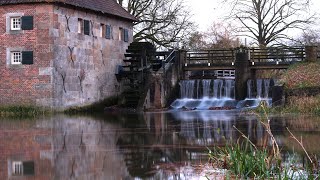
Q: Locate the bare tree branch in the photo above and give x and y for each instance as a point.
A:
(162, 22)
(268, 20)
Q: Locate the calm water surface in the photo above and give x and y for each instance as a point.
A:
(162, 145)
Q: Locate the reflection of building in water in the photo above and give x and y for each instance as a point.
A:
(63, 148)
(23, 150)
(86, 149)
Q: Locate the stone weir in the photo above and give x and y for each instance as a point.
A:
(219, 94)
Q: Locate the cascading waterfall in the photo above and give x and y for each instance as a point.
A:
(206, 94)
(217, 84)
(257, 91)
(229, 88)
(206, 83)
(266, 87)
(259, 88)
(187, 88)
(198, 86)
(220, 94)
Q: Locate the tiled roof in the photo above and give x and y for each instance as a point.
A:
(110, 7)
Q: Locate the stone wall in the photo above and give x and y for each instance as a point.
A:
(70, 68)
(84, 65)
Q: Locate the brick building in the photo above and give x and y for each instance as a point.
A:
(61, 53)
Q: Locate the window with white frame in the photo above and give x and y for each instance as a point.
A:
(16, 57)
(23, 168)
(15, 23)
(17, 168)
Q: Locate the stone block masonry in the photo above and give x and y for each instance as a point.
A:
(69, 68)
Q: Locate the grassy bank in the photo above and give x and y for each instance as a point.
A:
(302, 75)
(302, 86)
(245, 160)
(22, 111)
(33, 111)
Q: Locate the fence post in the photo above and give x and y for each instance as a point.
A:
(242, 73)
(182, 56)
(311, 53)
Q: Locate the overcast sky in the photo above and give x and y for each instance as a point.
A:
(207, 11)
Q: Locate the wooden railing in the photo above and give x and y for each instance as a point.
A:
(276, 54)
(227, 56)
(211, 56)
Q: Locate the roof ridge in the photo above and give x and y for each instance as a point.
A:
(109, 7)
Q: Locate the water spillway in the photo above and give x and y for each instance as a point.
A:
(216, 94)
(205, 94)
(257, 90)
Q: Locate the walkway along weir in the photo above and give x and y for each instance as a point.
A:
(244, 62)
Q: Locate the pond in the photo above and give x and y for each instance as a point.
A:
(159, 145)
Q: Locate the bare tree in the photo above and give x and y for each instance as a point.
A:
(267, 21)
(308, 37)
(217, 36)
(196, 41)
(162, 22)
(221, 35)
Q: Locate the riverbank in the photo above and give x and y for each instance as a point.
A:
(23, 111)
(301, 84)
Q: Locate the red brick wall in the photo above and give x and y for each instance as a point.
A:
(21, 141)
(19, 84)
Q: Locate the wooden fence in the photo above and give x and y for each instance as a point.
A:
(227, 56)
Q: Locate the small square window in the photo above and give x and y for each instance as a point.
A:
(15, 23)
(17, 168)
(23, 168)
(16, 57)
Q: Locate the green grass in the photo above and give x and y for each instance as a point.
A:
(22, 111)
(244, 160)
(295, 105)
